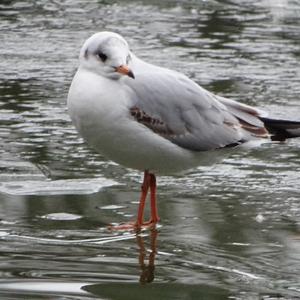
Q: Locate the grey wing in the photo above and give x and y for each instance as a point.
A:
(178, 109)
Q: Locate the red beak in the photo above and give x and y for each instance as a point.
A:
(124, 69)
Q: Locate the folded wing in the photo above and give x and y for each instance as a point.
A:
(175, 107)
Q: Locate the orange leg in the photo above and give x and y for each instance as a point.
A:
(149, 182)
(145, 188)
(154, 213)
(154, 218)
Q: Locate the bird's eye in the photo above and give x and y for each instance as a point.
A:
(128, 59)
(102, 56)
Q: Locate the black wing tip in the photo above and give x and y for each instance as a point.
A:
(281, 129)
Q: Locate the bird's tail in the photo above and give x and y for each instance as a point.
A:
(281, 130)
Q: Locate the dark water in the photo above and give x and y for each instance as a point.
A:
(230, 231)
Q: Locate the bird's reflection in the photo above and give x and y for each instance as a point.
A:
(147, 256)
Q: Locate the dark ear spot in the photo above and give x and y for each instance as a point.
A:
(86, 54)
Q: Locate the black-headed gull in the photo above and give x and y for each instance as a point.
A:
(154, 119)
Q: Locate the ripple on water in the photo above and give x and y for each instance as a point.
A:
(56, 187)
(61, 217)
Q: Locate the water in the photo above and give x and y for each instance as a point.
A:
(230, 231)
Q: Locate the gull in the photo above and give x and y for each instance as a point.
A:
(157, 120)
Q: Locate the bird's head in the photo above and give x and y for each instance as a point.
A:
(107, 54)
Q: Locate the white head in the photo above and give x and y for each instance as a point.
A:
(107, 54)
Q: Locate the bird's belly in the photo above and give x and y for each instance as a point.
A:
(132, 145)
